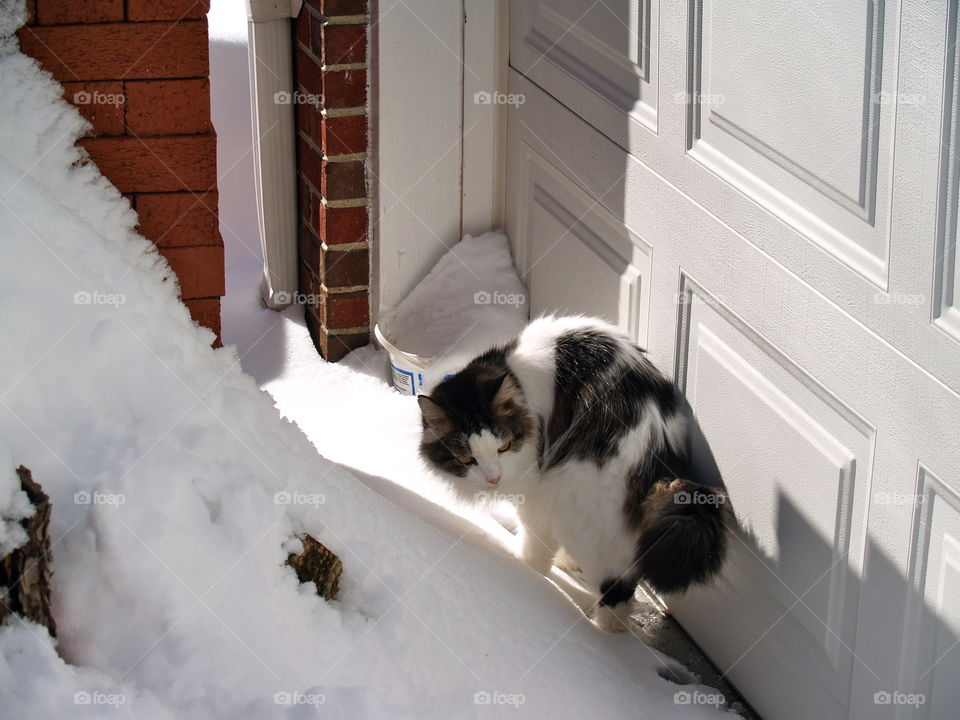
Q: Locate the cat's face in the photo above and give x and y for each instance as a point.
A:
(477, 432)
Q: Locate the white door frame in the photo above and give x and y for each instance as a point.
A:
(438, 164)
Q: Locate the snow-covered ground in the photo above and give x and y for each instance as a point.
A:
(177, 488)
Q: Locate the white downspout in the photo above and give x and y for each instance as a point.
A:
(270, 56)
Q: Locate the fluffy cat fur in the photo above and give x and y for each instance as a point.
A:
(574, 424)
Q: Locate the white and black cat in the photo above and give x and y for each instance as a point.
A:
(571, 418)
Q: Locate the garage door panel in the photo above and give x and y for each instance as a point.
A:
(600, 60)
(946, 301)
(930, 664)
(806, 313)
(567, 235)
(800, 484)
(761, 68)
(818, 154)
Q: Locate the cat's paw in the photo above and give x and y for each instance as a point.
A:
(609, 619)
(541, 562)
(536, 554)
(565, 562)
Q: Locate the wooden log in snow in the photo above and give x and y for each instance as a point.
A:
(25, 572)
(317, 564)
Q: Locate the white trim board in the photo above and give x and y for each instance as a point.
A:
(438, 163)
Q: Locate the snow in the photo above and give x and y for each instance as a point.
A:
(14, 505)
(178, 489)
(482, 303)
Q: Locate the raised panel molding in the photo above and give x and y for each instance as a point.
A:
(609, 51)
(930, 662)
(845, 215)
(546, 39)
(603, 268)
(946, 314)
(802, 478)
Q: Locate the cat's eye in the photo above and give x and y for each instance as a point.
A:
(466, 460)
(503, 448)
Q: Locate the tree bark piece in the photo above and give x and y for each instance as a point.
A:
(25, 572)
(318, 564)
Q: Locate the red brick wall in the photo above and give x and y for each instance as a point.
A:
(330, 67)
(138, 71)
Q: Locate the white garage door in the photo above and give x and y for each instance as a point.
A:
(764, 194)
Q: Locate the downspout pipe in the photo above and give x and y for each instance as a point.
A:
(270, 56)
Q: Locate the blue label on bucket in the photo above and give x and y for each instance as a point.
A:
(404, 381)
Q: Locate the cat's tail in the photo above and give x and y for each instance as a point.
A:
(683, 534)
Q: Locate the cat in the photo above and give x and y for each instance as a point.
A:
(572, 423)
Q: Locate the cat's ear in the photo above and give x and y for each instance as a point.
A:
(436, 422)
(507, 394)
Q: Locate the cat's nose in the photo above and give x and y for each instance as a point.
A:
(493, 480)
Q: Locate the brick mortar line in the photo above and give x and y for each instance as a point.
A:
(356, 111)
(356, 330)
(161, 192)
(348, 203)
(333, 67)
(343, 290)
(160, 137)
(146, 137)
(346, 157)
(334, 19)
(346, 247)
(187, 247)
(122, 21)
(345, 19)
(134, 80)
(342, 157)
(343, 67)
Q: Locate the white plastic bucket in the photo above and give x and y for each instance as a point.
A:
(408, 369)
